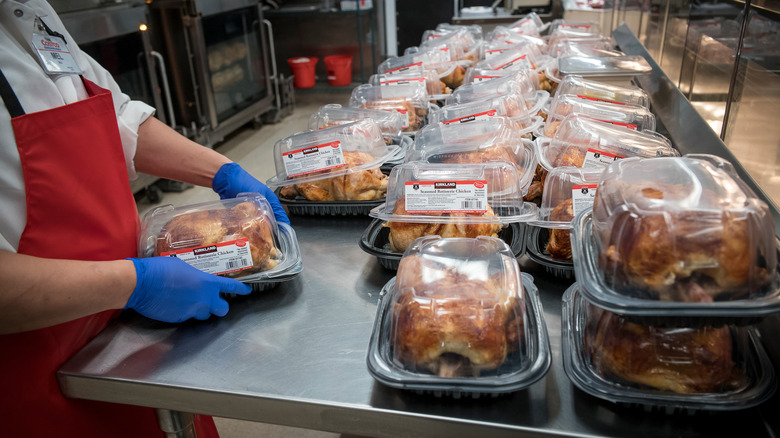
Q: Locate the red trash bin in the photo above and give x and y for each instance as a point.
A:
(303, 71)
(339, 70)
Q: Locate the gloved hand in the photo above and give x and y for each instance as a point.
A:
(170, 290)
(231, 180)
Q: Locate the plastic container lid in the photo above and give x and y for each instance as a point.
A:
(408, 100)
(512, 105)
(529, 23)
(670, 368)
(599, 91)
(604, 67)
(584, 142)
(474, 29)
(237, 238)
(330, 152)
(487, 193)
(334, 115)
(567, 192)
(574, 28)
(411, 62)
(518, 58)
(680, 237)
(459, 318)
(481, 83)
(427, 80)
(458, 45)
(632, 117)
(580, 46)
(483, 141)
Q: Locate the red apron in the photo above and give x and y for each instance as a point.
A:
(79, 207)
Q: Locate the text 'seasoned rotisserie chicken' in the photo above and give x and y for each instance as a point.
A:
(364, 185)
(457, 317)
(211, 227)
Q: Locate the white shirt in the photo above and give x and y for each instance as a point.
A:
(38, 91)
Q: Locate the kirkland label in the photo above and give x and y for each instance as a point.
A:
(596, 99)
(313, 159)
(598, 159)
(519, 62)
(446, 196)
(582, 197)
(479, 116)
(222, 258)
(484, 78)
(417, 66)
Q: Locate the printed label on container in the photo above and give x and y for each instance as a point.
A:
(596, 99)
(404, 117)
(519, 62)
(484, 78)
(575, 26)
(313, 159)
(597, 159)
(222, 258)
(447, 54)
(495, 52)
(446, 196)
(630, 126)
(405, 81)
(479, 116)
(417, 66)
(582, 197)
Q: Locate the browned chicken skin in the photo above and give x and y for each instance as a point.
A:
(559, 244)
(365, 185)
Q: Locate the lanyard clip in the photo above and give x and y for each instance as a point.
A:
(41, 26)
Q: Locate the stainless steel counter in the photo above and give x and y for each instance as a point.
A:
(295, 355)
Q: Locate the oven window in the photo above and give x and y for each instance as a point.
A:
(235, 60)
(123, 57)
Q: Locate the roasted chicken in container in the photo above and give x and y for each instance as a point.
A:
(409, 101)
(364, 185)
(458, 309)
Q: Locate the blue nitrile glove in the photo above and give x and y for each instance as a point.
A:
(170, 290)
(231, 180)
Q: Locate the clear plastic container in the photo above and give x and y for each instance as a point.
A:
(549, 79)
(574, 28)
(376, 241)
(525, 57)
(670, 369)
(411, 63)
(568, 191)
(459, 319)
(459, 45)
(529, 23)
(474, 29)
(469, 199)
(679, 237)
(537, 239)
(481, 83)
(483, 141)
(610, 69)
(237, 238)
(407, 100)
(599, 91)
(584, 142)
(451, 73)
(565, 46)
(427, 80)
(632, 117)
(333, 164)
(512, 105)
(335, 115)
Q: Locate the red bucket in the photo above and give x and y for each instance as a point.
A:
(303, 71)
(339, 70)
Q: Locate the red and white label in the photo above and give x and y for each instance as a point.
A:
(630, 126)
(484, 78)
(596, 99)
(470, 118)
(520, 62)
(575, 26)
(313, 159)
(447, 54)
(417, 66)
(219, 259)
(405, 81)
(582, 197)
(404, 117)
(445, 196)
(597, 159)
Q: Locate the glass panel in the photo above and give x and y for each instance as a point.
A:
(123, 57)
(235, 60)
(753, 131)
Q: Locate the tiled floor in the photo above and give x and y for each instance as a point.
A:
(253, 149)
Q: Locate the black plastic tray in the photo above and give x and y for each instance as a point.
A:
(375, 241)
(303, 207)
(536, 244)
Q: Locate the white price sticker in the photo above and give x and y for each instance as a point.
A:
(417, 66)
(446, 196)
(479, 116)
(597, 159)
(582, 197)
(313, 159)
(222, 258)
(404, 117)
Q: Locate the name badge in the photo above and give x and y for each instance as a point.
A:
(54, 55)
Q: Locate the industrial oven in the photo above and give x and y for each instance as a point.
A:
(217, 54)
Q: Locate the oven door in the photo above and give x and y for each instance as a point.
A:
(232, 64)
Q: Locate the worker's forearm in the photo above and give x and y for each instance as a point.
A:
(163, 152)
(37, 292)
